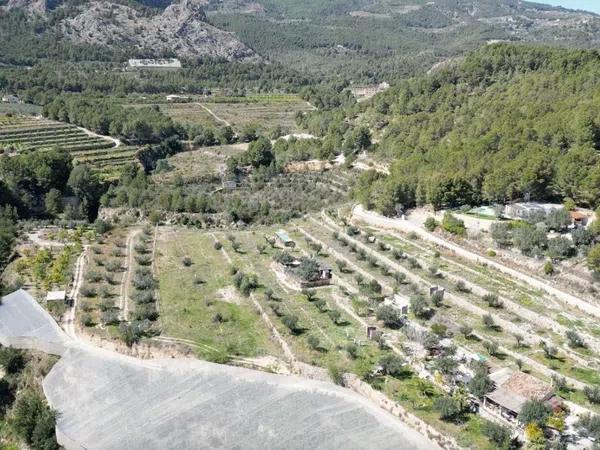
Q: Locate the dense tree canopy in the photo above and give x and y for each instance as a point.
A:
(509, 120)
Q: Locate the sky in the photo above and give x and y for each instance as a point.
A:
(588, 5)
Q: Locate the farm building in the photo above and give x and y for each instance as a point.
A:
(171, 63)
(56, 296)
(514, 389)
(10, 99)
(284, 239)
(525, 210)
(177, 98)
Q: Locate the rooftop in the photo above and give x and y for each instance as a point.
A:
(513, 389)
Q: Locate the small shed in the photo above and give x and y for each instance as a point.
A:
(56, 296)
(284, 238)
(10, 99)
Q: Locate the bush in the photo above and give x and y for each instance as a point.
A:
(548, 268)
(453, 225)
(390, 316)
(592, 393)
(430, 224)
(218, 246)
(143, 260)
(291, 322)
(492, 300)
(534, 411)
(393, 365)
(11, 360)
(462, 287)
(448, 408)
(560, 248)
(575, 340)
(34, 421)
(313, 342)
(93, 276)
(112, 265)
(186, 261)
(87, 291)
(497, 434)
(143, 282)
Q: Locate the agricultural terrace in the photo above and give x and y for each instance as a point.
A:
(266, 113)
(212, 286)
(25, 133)
(483, 311)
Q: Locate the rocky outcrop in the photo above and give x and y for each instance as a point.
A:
(180, 30)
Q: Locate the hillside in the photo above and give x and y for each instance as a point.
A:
(510, 120)
(107, 29)
(382, 40)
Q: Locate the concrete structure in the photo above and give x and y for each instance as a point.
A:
(513, 390)
(284, 239)
(171, 63)
(56, 296)
(400, 302)
(524, 210)
(177, 98)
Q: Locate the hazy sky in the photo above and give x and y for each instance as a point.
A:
(589, 5)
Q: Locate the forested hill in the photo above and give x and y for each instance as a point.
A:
(376, 40)
(509, 120)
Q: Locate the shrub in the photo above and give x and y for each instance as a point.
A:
(144, 282)
(291, 322)
(143, 260)
(462, 287)
(592, 393)
(448, 408)
(112, 265)
(497, 434)
(453, 225)
(186, 261)
(390, 316)
(488, 321)
(87, 291)
(218, 246)
(335, 316)
(575, 340)
(393, 365)
(430, 224)
(548, 268)
(492, 300)
(534, 411)
(12, 360)
(313, 342)
(93, 276)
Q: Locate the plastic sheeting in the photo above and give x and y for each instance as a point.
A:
(109, 401)
(25, 324)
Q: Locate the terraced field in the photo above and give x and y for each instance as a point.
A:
(26, 133)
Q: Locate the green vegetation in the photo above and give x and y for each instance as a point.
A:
(25, 417)
(508, 121)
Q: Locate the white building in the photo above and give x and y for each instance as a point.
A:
(170, 63)
(10, 99)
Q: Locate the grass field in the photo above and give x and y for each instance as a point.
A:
(198, 163)
(265, 115)
(199, 303)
